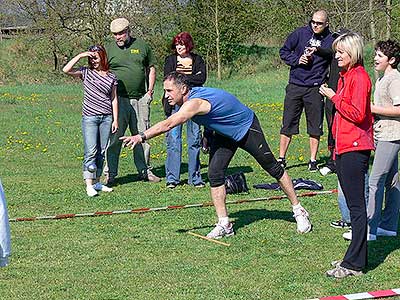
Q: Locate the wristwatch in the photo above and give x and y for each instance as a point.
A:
(143, 136)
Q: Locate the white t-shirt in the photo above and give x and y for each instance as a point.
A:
(387, 93)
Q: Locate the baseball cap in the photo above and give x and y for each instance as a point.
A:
(119, 25)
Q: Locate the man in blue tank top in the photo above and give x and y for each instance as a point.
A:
(236, 126)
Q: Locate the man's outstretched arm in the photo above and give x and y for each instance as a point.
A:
(187, 110)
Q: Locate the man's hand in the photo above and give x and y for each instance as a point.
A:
(303, 60)
(131, 141)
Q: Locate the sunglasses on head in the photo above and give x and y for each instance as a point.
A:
(95, 48)
(317, 23)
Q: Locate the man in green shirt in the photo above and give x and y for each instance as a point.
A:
(132, 60)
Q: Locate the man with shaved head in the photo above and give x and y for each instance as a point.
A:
(308, 70)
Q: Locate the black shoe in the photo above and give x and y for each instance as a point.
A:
(110, 181)
(340, 224)
(171, 185)
(313, 166)
(282, 162)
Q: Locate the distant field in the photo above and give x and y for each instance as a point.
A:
(150, 255)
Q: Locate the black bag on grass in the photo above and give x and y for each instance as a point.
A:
(236, 183)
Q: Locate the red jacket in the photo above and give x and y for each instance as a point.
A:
(352, 124)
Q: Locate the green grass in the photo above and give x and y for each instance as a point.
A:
(150, 255)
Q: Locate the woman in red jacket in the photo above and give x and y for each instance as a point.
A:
(352, 130)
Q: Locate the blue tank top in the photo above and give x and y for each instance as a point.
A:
(228, 116)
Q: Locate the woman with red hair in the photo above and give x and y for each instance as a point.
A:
(184, 61)
(99, 113)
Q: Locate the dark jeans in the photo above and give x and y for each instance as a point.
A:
(351, 168)
(223, 149)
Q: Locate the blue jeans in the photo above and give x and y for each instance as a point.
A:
(174, 152)
(344, 210)
(384, 185)
(96, 131)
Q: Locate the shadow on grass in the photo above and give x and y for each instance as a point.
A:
(380, 249)
(321, 162)
(160, 171)
(297, 165)
(246, 217)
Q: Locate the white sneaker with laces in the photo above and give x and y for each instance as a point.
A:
(101, 187)
(384, 232)
(220, 231)
(90, 191)
(303, 223)
(348, 236)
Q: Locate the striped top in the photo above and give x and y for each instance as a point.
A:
(184, 65)
(97, 92)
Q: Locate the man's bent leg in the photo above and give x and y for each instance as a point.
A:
(255, 144)
(223, 227)
(286, 184)
(299, 213)
(218, 196)
(221, 153)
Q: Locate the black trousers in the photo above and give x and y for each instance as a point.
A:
(223, 149)
(351, 168)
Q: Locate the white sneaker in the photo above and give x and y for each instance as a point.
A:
(101, 187)
(220, 231)
(384, 232)
(325, 171)
(348, 236)
(303, 223)
(90, 191)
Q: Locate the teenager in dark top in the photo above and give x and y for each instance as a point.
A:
(99, 113)
(184, 61)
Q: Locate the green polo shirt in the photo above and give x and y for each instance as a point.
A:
(129, 64)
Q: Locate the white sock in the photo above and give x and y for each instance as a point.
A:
(297, 206)
(223, 221)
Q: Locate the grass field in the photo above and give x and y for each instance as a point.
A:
(150, 255)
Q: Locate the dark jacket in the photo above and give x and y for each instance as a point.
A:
(315, 73)
(197, 78)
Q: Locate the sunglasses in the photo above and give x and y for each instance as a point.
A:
(95, 48)
(317, 23)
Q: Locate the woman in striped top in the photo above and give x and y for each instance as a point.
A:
(99, 113)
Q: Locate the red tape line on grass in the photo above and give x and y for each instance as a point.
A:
(366, 295)
(170, 207)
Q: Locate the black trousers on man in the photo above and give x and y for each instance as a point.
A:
(223, 149)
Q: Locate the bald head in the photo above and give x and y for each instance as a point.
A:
(319, 21)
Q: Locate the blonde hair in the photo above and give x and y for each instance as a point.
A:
(353, 45)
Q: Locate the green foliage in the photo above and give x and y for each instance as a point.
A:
(222, 30)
